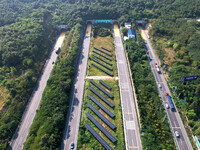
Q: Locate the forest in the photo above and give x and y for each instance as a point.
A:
(27, 32)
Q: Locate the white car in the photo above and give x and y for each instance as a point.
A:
(177, 134)
(167, 106)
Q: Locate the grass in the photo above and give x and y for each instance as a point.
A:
(108, 43)
(85, 139)
(4, 97)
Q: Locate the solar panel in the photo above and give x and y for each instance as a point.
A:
(106, 49)
(101, 106)
(103, 52)
(100, 127)
(102, 64)
(98, 137)
(102, 55)
(101, 116)
(101, 97)
(102, 69)
(102, 59)
(100, 88)
(106, 85)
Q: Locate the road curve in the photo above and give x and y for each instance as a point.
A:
(74, 114)
(174, 119)
(129, 112)
(21, 134)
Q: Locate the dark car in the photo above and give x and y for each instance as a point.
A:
(72, 145)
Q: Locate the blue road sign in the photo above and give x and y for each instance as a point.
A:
(189, 78)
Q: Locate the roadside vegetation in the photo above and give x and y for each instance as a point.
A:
(24, 47)
(155, 129)
(176, 41)
(85, 139)
(49, 122)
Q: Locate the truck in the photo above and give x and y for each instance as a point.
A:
(170, 101)
(58, 50)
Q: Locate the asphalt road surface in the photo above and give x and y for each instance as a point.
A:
(131, 125)
(74, 116)
(175, 121)
(20, 136)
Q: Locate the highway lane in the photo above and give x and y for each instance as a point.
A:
(130, 120)
(74, 114)
(175, 121)
(29, 114)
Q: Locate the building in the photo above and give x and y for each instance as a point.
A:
(127, 25)
(131, 34)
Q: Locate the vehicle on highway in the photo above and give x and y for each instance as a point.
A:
(72, 145)
(147, 52)
(177, 134)
(166, 105)
(58, 50)
(157, 68)
(159, 85)
(170, 101)
(53, 62)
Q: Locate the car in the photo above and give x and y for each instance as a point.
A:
(159, 85)
(177, 134)
(53, 62)
(147, 52)
(155, 64)
(72, 145)
(166, 105)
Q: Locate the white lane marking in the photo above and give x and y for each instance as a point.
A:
(130, 125)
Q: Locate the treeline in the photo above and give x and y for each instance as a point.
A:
(155, 129)
(23, 50)
(47, 128)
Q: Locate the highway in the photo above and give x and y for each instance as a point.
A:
(74, 114)
(175, 121)
(129, 112)
(21, 134)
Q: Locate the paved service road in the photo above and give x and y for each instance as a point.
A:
(175, 121)
(27, 119)
(74, 114)
(131, 125)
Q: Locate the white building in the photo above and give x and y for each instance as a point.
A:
(127, 25)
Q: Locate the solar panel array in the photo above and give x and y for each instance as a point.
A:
(101, 106)
(106, 85)
(106, 49)
(102, 55)
(102, 69)
(103, 52)
(102, 64)
(102, 59)
(100, 88)
(101, 116)
(98, 137)
(101, 97)
(100, 127)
